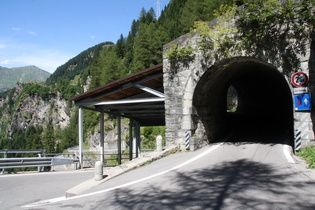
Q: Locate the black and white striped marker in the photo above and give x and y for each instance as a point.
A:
(297, 140)
(187, 140)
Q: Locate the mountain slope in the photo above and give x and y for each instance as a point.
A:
(75, 66)
(10, 76)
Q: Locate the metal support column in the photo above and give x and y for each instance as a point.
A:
(4, 156)
(137, 135)
(130, 139)
(119, 139)
(81, 136)
(102, 136)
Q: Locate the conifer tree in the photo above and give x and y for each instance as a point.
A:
(120, 47)
(49, 138)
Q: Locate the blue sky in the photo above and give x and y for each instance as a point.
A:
(47, 33)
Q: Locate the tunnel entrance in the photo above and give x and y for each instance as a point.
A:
(245, 100)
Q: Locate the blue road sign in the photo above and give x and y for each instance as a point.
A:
(302, 102)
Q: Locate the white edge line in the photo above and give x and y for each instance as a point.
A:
(287, 150)
(54, 200)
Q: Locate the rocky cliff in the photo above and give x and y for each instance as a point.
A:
(21, 110)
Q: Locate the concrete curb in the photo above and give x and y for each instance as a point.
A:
(110, 173)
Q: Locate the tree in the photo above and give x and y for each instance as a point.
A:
(120, 47)
(96, 68)
(113, 67)
(148, 46)
(130, 43)
(49, 138)
(201, 10)
(69, 136)
(33, 137)
(271, 25)
(149, 136)
(170, 19)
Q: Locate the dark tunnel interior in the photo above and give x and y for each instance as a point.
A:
(263, 109)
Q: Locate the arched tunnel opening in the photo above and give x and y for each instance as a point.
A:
(245, 100)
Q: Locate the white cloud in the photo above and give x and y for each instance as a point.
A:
(4, 62)
(16, 29)
(92, 37)
(32, 33)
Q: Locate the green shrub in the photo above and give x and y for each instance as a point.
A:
(308, 153)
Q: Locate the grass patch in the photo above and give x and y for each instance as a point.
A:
(308, 154)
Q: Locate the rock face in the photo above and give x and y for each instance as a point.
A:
(29, 110)
(20, 110)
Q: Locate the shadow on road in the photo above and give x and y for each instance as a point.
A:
(241, 184)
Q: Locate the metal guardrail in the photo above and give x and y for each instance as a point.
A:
(25, 162)
(43, 161)
(6, 152)
(34, 162)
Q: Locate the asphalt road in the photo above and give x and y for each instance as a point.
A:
(224, 176)
(17, 190)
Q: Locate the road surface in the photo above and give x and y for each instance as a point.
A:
(221, 176)
(18, 189)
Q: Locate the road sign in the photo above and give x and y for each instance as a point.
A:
(300, 90)
(302, 102)
(299, 79)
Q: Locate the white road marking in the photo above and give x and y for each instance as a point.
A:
(287, 153)
(55, 200)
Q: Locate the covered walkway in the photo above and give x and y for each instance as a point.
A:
(139, 97)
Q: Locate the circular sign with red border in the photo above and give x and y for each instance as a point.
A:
(299, 79)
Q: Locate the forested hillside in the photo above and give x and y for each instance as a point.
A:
(143, 46)
(96, 66)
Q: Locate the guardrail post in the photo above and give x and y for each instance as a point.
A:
(39, 167)
(75, 163)
(4, 156)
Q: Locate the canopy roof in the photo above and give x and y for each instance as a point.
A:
(139, 96)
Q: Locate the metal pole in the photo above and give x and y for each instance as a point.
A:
(119, 139)
(130, 139)
(137, 135)
(4, 156)
(81, 136)
(102, 136)
(39, 167)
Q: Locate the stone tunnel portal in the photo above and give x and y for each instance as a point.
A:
(263, 109)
